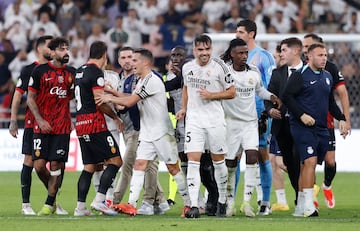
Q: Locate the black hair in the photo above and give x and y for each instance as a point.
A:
(292, 42)
(58, 42)
(315, 37)
(203, 38)
(42, 40)
(315, 45)
(233, 43)
(145, 53)
(97, 49)
(249, 26)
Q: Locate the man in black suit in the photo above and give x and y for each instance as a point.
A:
(290, 54)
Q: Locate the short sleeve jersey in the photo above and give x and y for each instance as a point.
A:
(54, 87)
(214, 77)
(89, 119)
(265, 62)
(112, 78)
(243, 106)
(154, 117)
(22, 87)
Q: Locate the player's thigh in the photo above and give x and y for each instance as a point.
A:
(167, 149)
(195, 138)
(216, 138)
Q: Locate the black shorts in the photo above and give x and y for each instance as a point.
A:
(332, 142)
(97, 147)
(51, 147)
(27, 143)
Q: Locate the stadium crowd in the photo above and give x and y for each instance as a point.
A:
(157, 25)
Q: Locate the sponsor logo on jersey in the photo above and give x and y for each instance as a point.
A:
(60, 79)
(60, 152)
(310, 150)
(58, 91)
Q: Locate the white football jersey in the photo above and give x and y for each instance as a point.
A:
(154, 117)
(214, 77)
(247, 84)
(113, 79)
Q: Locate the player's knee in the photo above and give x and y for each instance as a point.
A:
(183, 157)
(231, 163)
(251, 156)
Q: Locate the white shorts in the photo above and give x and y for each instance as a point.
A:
(165, 148)
(241, 136)
(197, 138)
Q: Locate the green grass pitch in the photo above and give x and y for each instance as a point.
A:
(345, 216)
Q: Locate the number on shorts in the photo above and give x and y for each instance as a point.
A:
(37, 144)
(110, 140)
(188, 137)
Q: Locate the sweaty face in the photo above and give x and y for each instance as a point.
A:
(125, 60)
(202, 53)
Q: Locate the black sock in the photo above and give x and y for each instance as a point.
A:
(330, 172)
(50, 200)
(207, 177)
(84, 183)
(107, 178)
(25, 178)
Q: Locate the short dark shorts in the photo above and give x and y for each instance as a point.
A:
(27, 143)
(51, 147)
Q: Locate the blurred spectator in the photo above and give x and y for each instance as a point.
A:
(113, 8)
(67, 17)
(16, 65)
(86, 22)
(353, 23)
(132, 25)
(280, 22)
(6, 83)
(147, 12)
(194, 19)
(18, 36)
(84, 5)
(214, 9)
(230, 24)
(24, 8)
(172, 16)
(77, 58)
(182, 6)
(17, 17)
(43, 5)
(49, 27)
(288, 7)
(328, 24)
(97, 34)
(116, 37)
(6, 47)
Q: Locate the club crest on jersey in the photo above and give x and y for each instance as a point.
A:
(327, 81)
(113, 150)
(208, 73)
(101, 81)
(60, 79)
(251, 81)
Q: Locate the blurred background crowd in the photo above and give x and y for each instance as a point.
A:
(159, 25)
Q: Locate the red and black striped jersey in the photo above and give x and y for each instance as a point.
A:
(22, 87)
(89, 119)
(54, 89)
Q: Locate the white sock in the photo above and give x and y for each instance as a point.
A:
(201, 201)
(249, 181)
(81, 205)
(182, 187)
(230, 189)
(193, 182)
(308, 197)
(300, 200)
(136, 184)
(99, 197)
(281, 196)
(258, 184)
(221, 177)
(96, 179)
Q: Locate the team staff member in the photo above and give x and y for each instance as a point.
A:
(50, 90)
(309, 97)
(340, 90)
(96, 142)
